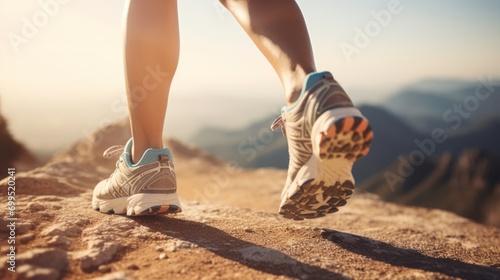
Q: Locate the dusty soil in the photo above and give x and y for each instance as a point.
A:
(229, 229)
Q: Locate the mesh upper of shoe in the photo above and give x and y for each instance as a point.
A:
(157, 176)
(297, 120)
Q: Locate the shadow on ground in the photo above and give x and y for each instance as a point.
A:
(409, 258)
(232, 248)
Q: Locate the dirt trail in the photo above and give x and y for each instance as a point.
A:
(228, 229)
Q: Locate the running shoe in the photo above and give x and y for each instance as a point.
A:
(146, 188)
(326, 134)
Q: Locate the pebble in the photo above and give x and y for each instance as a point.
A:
(27, 271)
(22, 228)
(49, 198)
(207, 262)
(120, 275)
(159, 249)
(25, 239)
(265, 255)
(133, 266)
(98, 253)
(54, 258)
(177, 245)
(163, 256)
(35, 206)
(82, 222)
(59, 241)
(104, 268)
(247, 229)
(62, 229)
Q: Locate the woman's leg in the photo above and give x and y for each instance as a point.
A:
(325, 133)
(278, 29)
(151, 56)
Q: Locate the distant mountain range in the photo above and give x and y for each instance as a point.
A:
(394, 138)
(449, 104)
(468, 185)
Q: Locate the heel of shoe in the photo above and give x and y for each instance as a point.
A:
(152, 204)
(341, 134)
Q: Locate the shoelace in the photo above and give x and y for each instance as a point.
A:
(113, 151)
(279, 122)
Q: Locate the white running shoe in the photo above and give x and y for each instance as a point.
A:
(326, 134)
(146, 188)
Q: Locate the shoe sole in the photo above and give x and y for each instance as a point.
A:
(341, 137)
(139, 205)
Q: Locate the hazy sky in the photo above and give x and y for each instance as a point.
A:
(69, 67)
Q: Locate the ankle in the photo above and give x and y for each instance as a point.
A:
(136, 153)
(292, 95)
(138, 150)
(294, 84)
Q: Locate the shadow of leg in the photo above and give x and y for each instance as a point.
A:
(409, 258)
(257, 257)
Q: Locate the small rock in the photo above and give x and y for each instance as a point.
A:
(27, 271)
(159, 249)
(177, 245)
(133, 266)
(25, 239)
(59, 241)
(47, 215)
(4, 249)
(53, 258)
(99, 252)
(82, 222)
(35, 206)
(265, 255)
(163, 256)
(247, 229)
(49, 198)
(62, 229)
(23, 227)
(120, 275)
(207, 262)
(104, 268)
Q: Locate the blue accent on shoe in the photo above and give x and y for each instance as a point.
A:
(149, 156)
(310, 80)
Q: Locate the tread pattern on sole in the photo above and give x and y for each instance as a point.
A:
(348, 138)
(162, 209)
(154, 210)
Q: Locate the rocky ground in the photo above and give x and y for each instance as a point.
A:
(228, 229)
